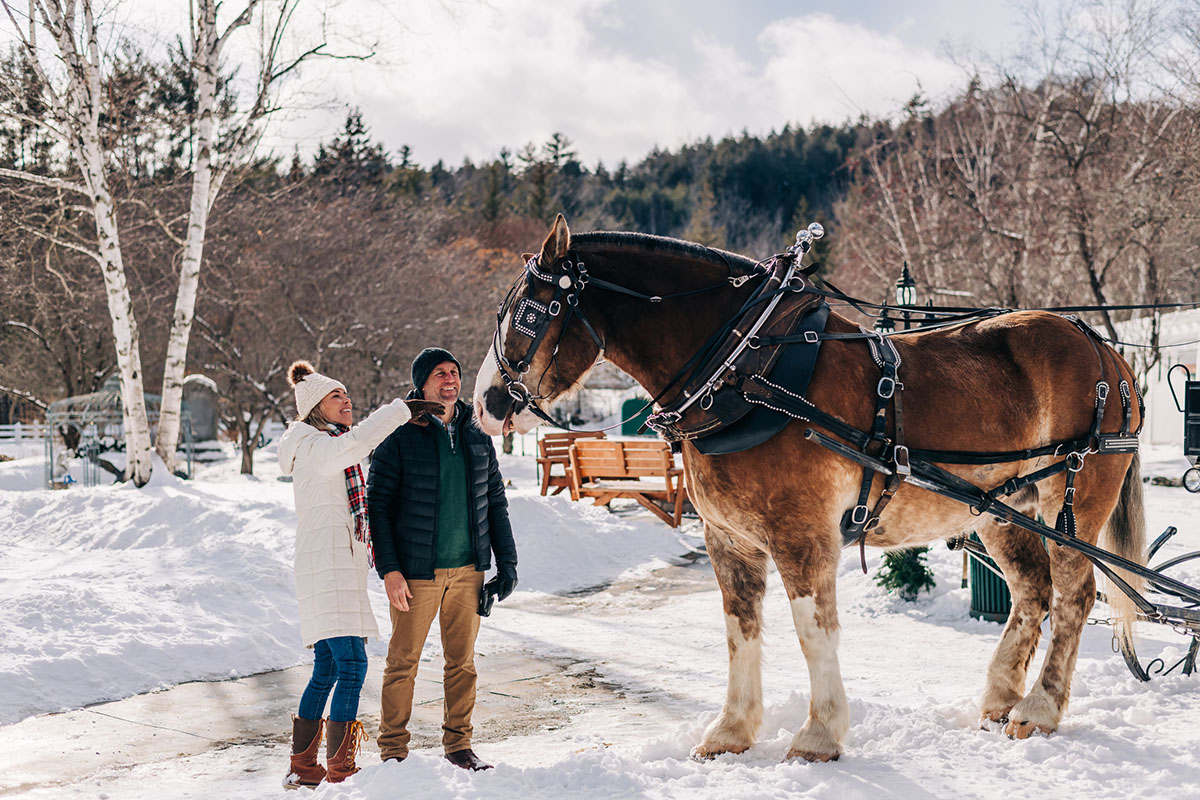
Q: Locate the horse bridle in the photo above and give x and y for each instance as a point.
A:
(533, 318)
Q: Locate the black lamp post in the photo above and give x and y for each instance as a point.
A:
(906, 295)
(883, 323)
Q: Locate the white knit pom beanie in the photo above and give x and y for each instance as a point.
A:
(310, 385)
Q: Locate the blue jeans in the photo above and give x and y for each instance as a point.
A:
(341, 660)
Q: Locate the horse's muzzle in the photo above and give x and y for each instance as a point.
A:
(499, 404)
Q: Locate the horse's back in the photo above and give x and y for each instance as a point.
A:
(1012, 381)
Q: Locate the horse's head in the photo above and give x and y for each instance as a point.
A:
(537, 354)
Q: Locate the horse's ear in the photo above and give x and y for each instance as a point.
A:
(525, 257)
(557, 243)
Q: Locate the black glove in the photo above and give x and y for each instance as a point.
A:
(505, 581)
(420, 408)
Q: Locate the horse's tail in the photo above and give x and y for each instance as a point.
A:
(1126, 536)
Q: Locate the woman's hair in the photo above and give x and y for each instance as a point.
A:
(317, 419)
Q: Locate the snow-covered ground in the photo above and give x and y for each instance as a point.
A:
(109, 592)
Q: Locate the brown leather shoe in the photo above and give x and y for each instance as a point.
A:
(306, 743)
(466, 759)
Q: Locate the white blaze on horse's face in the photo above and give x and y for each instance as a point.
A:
(488, 378)
(491, 393)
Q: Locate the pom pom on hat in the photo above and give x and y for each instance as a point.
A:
(310, 386)
(297, 371)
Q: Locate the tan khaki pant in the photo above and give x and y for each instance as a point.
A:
(452, 596)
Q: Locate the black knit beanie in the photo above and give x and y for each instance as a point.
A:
(426, 360)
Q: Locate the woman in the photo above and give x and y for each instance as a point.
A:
(333, 552)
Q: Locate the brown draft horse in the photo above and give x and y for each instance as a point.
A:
(1014, 381)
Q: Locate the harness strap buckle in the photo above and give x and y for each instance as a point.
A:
(900, 456)
(886, 387)
(859, 515)
(662, 420)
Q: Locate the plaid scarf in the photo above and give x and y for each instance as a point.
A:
(356, 489)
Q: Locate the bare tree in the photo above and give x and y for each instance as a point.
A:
(70, 76)
(211, 167)
(1069, 179)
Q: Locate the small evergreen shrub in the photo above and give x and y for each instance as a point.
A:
(906, 572)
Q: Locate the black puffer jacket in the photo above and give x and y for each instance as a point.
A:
(402, 499)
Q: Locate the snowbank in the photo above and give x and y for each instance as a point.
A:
(111, 591)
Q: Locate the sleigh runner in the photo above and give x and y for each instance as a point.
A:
(977, 423)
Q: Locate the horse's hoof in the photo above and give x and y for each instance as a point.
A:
(1024, 729)
(703, 752)
(809, 755)
(1035, 714)
(996, 715)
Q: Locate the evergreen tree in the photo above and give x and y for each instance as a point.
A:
(351, 161)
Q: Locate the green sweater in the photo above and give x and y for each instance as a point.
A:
(453, 542)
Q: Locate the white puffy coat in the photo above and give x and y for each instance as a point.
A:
(331, 567)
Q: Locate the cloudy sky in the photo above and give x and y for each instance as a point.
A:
(620, 77)
(457, 79)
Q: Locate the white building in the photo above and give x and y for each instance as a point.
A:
(1179, 339)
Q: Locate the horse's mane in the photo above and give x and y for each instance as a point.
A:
(663, 245)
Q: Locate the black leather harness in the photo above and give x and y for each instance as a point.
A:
(749, 380)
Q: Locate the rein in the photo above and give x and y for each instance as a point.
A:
(533, 319)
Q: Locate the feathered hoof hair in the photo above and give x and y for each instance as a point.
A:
(297, 372)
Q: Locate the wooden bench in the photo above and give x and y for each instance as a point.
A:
(554, 449)
(644, 471)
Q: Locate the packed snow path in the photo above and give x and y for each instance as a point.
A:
(110, 592)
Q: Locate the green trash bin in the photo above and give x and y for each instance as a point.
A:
(629, 427)
(990, 599)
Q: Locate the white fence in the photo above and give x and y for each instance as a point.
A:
(18, 432)
(22, 441)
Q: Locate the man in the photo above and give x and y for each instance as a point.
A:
(438, 513)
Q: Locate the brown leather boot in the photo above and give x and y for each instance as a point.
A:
(341, 747)
(306, 742)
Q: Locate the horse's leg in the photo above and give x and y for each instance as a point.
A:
(808, 567)
(741, 572)
(1026, 568)
(1074, 595)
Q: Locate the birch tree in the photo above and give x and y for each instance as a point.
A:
(69, 71)
(212, 167)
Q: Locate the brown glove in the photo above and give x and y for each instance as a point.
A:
(421, 408)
